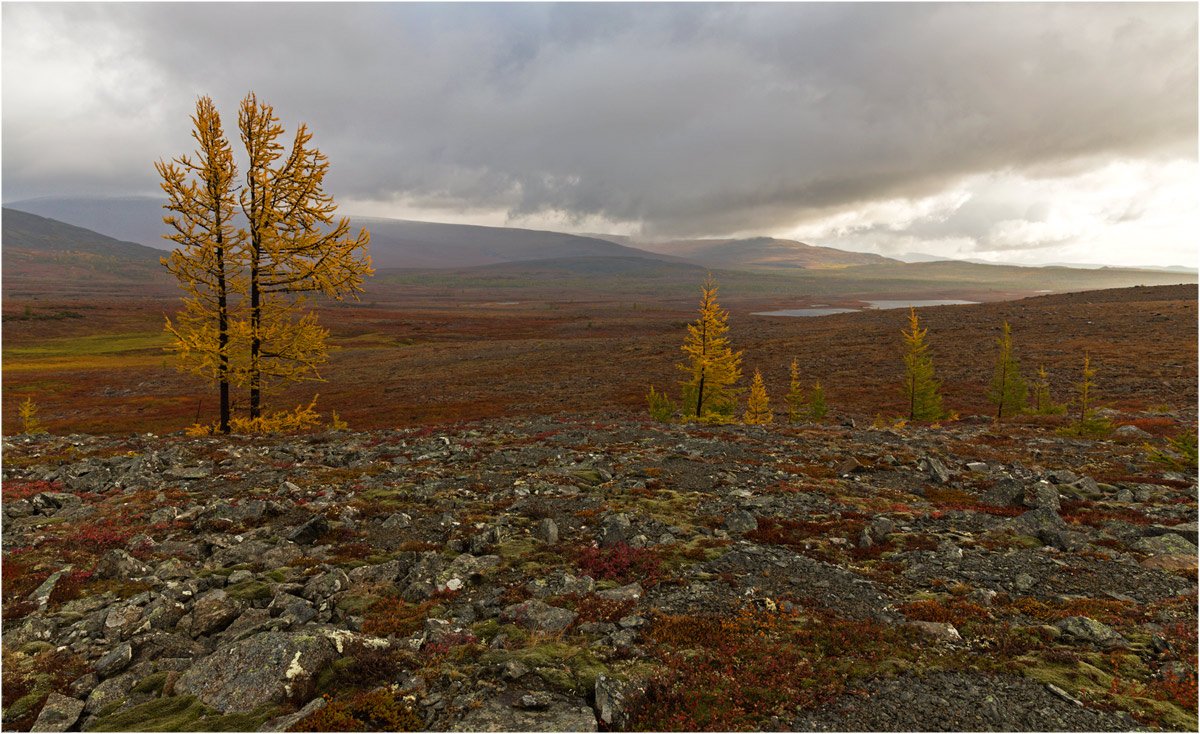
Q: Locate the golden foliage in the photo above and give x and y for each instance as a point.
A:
(200, 195)
(758, 413)
(294, 247)
(27, 412)
(713, 368)
(920, 385)
(245, 319)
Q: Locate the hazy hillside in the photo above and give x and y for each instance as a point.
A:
(130, 218)
(44, 256)
(395, 243)
(759, 252)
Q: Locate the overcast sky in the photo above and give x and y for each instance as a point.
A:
(1023, 133)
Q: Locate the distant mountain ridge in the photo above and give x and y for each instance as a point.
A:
(395, 243)
(761, 252)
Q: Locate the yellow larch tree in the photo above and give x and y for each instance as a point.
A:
(294, 248)
(202, 201)
(758, 412)
(795, 396)
(713, 368)
(920, 385)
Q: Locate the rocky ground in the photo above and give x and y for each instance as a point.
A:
(566, 573)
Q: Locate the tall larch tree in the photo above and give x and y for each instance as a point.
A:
(295, 249)
(202, 200)
(713, 368)
(758, 411)
(1008, 390)
(920, 384)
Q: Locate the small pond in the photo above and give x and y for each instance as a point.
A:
(881, 305)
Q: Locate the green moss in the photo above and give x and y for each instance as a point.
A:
(35, 647)
(25, 705)
(389, 496)
(279, 575)
(250, 590)
(562, 666)
(486, 630)
(356, 604)
(179, 713)
(1082, 679)
(152, 683)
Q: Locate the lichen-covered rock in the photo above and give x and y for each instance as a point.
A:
(59, 714)
(558, 714)
(1086, 629)
(265, 669)
(213, 612)
(538, 615)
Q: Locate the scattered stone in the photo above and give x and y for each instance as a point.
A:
(936, 470)
(942, 631)
(116, 660)
(538, 615)
(213, 612)
(1086, 629)
(547, 531)
(629, 592)
(1165, 545)
(1042, 496)
(615, 529)
(1131, 432)
(978, 467)
(59, 714)
(309, 531)
(287, 721)
(740, 521)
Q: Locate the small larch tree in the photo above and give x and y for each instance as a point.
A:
(1008, 390)
(206, 261)
(1086, 383)
(758, 411)
(713, 368)
(817, 407)
(795, 396)
(921, 387)
(1043, 404)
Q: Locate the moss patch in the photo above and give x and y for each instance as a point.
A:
(179, 713)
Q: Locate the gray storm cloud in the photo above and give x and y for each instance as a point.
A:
(682, 119)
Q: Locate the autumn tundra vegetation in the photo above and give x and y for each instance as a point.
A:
(740, 562)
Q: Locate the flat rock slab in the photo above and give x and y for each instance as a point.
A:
(59, 714)
(558, 715)
(264, 669)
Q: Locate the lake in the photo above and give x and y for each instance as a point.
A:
(880, 305)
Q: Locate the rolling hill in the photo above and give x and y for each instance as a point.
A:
(44, 256)
(395, 243)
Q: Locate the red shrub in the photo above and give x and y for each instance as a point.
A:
(620, 562)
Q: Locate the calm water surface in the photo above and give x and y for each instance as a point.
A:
(881, 305)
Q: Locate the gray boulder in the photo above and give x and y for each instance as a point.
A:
(538, 615)
(740, 521)
(265, 669)
(558, 714)
(1086, 629)
(59, 714)
(615, 529)
(213, 612)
